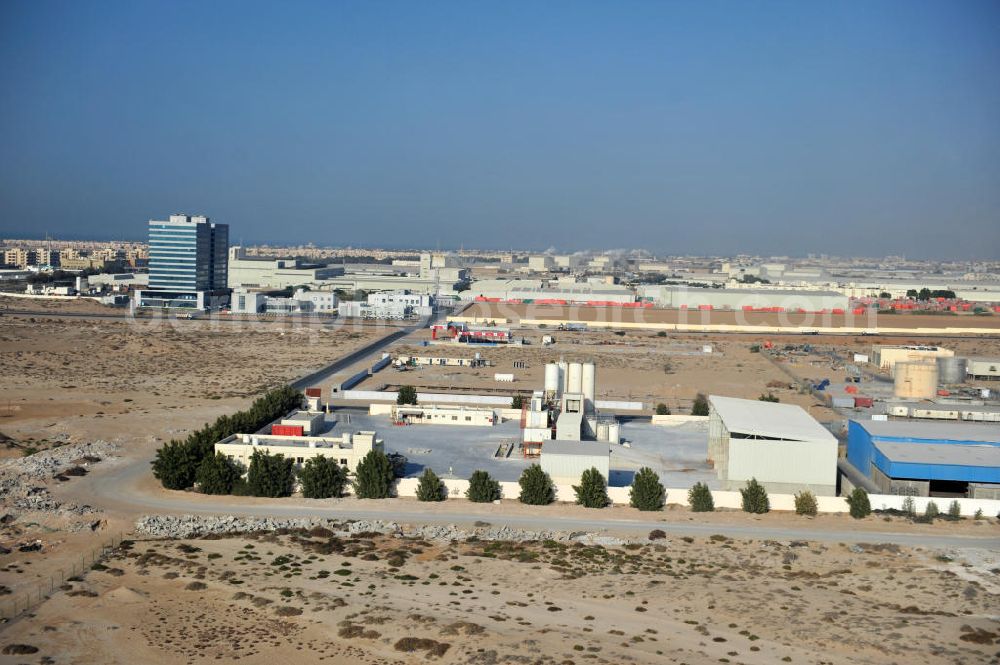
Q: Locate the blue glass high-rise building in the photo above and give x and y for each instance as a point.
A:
(188, 258)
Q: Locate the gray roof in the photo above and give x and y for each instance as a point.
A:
(769, 419)
(941, 453)
(588, 448)
(933, 431)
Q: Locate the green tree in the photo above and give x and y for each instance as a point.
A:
(647, 492)
(858, 503)
(430, 487)
(662, 409)
(407, 395)
(805, 503)
(700, 407)
(885, 294)
(176, 465)
(517, 402)
(909, 506)
(700, 498)
(482, 488)
(216, 475)
(755, 498)
(270, 475)
(373, 478)
(322, 478)
(769, 397)
(912, 293)
(536, 487)
(592, 492)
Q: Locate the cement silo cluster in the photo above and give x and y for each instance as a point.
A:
(566, 408)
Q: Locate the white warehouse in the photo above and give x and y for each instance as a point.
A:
(780, 445)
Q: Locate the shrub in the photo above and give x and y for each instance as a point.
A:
(858, 503)
(517, 402)
(909, 506)
(769, 397)
(407, 395)
(592, 492)
(430, 487)
(373, 479)
(216, 475)
(662, 409)
(482, 488)
(931, 511)
(754, 498)
(805, 504)
(536, 487)
(700, 498)
(657, 534)
(979, 514)
(700, 406)
(955, 510)
(270, 475)
(647, 491)
(322, 478)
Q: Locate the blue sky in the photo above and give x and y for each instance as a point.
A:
(682, 127)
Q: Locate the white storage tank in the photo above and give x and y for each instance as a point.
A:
(552, 381)
(916, 380)
(563, 377)
(589, 381)
(574, 383)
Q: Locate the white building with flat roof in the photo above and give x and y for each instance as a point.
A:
(347, 450)
(780, 445)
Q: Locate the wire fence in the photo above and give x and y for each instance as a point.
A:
(22, 600)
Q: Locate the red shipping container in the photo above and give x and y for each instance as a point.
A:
(863, 402)
(287, 430)
(314, 392)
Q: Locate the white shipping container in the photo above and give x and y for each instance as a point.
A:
(504, 378)
(860, 358)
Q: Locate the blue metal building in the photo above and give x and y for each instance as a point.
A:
(927, 459)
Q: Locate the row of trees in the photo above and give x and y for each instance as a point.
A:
(178, 463)
(698, 408)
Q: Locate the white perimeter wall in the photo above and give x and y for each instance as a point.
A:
(407, 487)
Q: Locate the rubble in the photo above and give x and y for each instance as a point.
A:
(190, 526)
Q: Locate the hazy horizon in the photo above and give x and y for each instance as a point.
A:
(771, 128)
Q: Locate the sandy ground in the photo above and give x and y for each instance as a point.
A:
(310, 597)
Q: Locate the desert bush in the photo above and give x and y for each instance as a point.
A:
(955, 510)
(662, 409)
(700, 406)
(430, 487)
(805, 503)
(931, 511)
(700, 498)
(909, 506)
(536, 487)
(754, 498)
(858, 503)
(592, 492)
(482, 488)
(657, 534)
(647, 492)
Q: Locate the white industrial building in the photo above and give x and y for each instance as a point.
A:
(246, 301)
(312, 423)
(885, 356)
(788, 300)
(983, 368)
(389, 305)
(549, 292)
(780, 445)
(347, 450)
(275, 273)
(565, 461)
(430, 414)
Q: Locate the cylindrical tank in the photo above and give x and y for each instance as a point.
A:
(563, 377)
(551, 380)
(951, 370)
(916, 380)
(589, 381)
(574, 383)
(614, 432)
